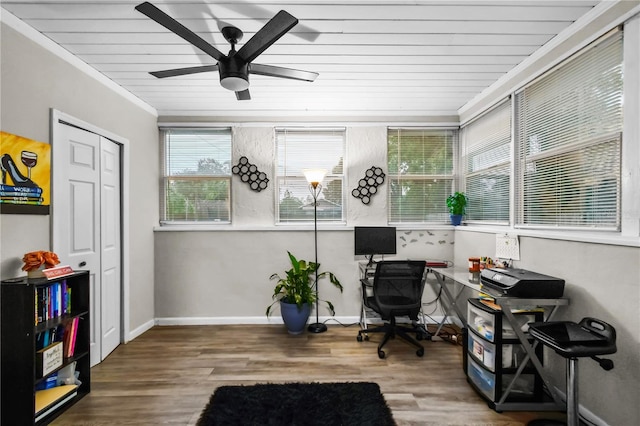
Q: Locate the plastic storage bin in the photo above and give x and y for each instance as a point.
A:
(481, 322)
(483, 380)
(493, 354)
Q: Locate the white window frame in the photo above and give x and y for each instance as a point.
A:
(486, 152)
(555, 141)
(289, 172)
(167, 176)
(438, 214)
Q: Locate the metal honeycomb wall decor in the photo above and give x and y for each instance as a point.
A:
(368, 185)
(250, 174)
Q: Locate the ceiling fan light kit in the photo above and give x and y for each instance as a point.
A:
(235, 67)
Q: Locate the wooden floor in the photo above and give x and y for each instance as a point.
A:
(167, 375)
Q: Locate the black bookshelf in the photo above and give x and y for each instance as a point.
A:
(19, 331)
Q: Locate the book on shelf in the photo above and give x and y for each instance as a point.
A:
(52, 301)
(48, 400)
(69, 337)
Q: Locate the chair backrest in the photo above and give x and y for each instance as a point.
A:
(398, 287)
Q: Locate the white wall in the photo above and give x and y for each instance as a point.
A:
(223, 277)
(602, 281)
(217, 276)
(33, 81)
(222, 274)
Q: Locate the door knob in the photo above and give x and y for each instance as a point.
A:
(81, 264)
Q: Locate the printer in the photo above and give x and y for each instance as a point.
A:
(511, 282)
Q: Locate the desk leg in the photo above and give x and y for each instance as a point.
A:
(531, 354)
(452, 303)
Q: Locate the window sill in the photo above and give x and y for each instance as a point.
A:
(290, 227)
(611, 238)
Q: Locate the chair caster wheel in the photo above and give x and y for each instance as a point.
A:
(359, 337)
(381, 354)
(420, 352)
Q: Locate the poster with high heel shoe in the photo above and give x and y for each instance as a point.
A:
(26, 175)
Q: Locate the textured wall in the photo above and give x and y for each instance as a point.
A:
(223, 274)
(33, 81)
(602, 281)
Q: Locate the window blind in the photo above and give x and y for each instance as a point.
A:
(486, 163)
(420, 163)
(308, 148)
(569, 125)
(196, 175)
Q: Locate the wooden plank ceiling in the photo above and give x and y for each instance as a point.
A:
(375, 58)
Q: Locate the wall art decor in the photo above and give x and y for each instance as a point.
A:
(250, 174)
(368, 185)
(26, 175)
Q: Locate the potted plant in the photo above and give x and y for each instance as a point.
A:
(456, 203)
(295, 293)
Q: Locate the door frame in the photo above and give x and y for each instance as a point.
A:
(56, 117)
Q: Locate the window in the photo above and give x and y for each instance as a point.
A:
(569, 125)
(196, 176)
(421, 176)
(486, 163)
(300, 149)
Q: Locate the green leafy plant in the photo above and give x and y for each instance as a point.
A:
(297, 284)
(456, 203)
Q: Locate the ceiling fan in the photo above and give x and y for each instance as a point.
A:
(236, 66)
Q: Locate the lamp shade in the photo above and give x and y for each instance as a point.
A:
(314, 175)
(236, 84)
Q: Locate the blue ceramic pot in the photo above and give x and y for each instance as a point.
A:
(456, 219)
(295, 318)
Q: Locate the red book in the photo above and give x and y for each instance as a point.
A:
(74, 334)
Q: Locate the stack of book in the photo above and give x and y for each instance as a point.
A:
(52, 301)
(20, 194)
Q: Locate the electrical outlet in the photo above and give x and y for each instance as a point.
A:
(507, 247)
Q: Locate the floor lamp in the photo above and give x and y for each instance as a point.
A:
(314, 177)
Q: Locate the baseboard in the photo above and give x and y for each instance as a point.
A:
(274, 319)
(585, 415)
(139, 330)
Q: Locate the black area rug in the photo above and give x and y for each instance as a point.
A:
(302, 404)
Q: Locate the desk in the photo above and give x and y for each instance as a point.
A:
(367, 315)
(463, 278)
(454, 276)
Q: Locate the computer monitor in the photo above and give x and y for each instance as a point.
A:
(372, 240)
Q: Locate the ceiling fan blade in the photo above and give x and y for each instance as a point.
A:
(243, 95)
(176, 27)
(183, 71)
(291, 73)
(267, 35)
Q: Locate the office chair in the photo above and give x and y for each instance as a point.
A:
(397, 292)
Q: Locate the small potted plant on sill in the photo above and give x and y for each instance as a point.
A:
(295, 293)
(456, 203)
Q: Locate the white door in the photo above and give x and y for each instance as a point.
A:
(85, 228)
(111, 246)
